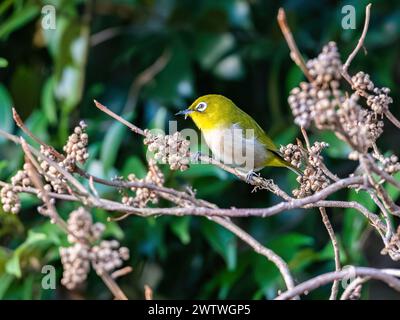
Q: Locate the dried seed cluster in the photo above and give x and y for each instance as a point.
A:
(314, 157)
(361, 81)
(75, 152)
(76, 147)
(310, 102)
(361, 126)
(301, 100)
(170, 149)
(108, 256)
(55, 179)
(76, 265)
(313, 178)
(81, 226)
(327, 66)
(293, 154)
(144, 195)
(9, 193)
(10, 199)
(322, 102)
(380, 100)
(324, 110)
(76, 259)
(391, 164)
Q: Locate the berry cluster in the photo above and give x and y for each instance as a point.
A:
(323, 103)
(144, 195)
(108, 256)
(327, 66)
(362, 127)
(76, 259)
(293, 154)
(76, 147)
(313, 178)
(9, 193)
(75, 152)
(170, 149)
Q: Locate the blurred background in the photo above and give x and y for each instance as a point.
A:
(98, 50)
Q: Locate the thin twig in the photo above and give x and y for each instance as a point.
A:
(319, 281)
(118, 118)
(112, 285)
(361, 40)
(352, 286)
(392, 118)
(336, 251)
(294, 50)
(148, 292)
(24, 128)
(121, 272)
(259, 248)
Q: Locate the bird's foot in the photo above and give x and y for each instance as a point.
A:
(250, 175)
(196, 156)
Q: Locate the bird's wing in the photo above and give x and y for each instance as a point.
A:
(243, 120)
(246, 122)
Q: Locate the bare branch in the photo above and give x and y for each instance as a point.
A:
(352, 286)
(148, 292)
(259, 248)
(321, 280)
(336, 252)
(361, 40)
(294, 50)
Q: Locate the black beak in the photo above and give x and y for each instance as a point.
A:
(185, 112)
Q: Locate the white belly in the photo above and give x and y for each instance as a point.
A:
(234, 148)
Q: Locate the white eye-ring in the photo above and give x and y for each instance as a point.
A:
(201, 106)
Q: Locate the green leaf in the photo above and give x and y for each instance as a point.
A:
(302, 259)
(392, 190)
(265, 273)
(289, 244)
(3, 63)
(222, 241)
(13, 265)
(327, 253)
(6, 119)
(211, 47)
(4, 256)
(337, 148)
(111, 144)
(5, 282)
(37, 124)
(112, 227)
(294, 77)
(287, 136)
(134, 165)
(354, 223)
(48, 102)
(17, 20)
(230, 68)
(180, 226)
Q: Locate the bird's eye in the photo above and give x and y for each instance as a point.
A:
(201, 106)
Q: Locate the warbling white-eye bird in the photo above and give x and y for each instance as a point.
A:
(233, 136)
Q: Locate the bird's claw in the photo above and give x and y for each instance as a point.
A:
(250, 175)
(196, 156)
